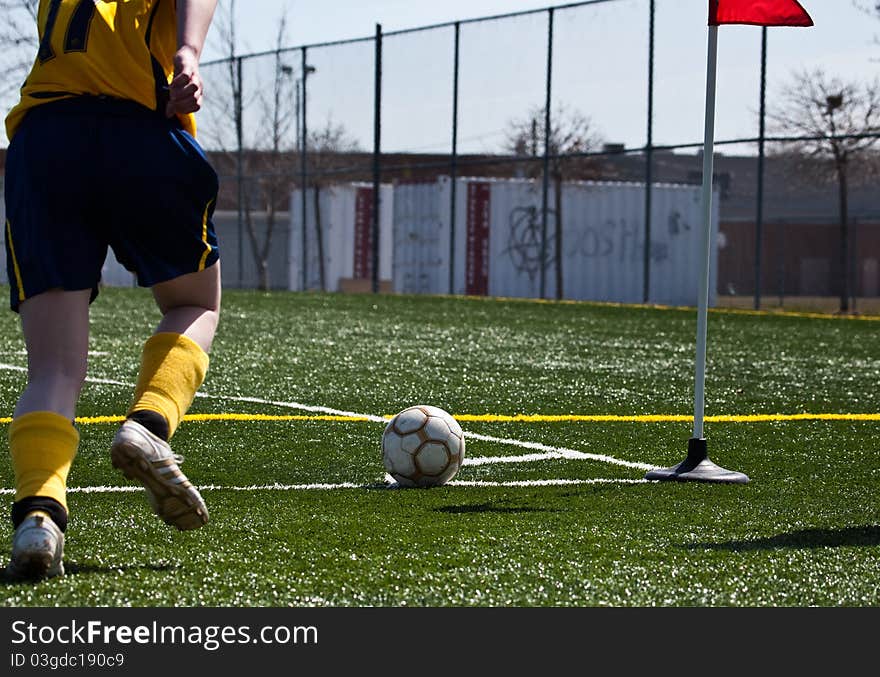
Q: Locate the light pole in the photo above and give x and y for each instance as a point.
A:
(300, 102)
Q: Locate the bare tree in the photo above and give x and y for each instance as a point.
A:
(219, 120)
(837, 125)
(276, 176)
(872, 9)
(247, 129)
(18, 44)
(249, 124)
(571, 133)
(868, 6)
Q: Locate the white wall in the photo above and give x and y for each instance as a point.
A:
(603, 241)
(499, 234)
(345, 212)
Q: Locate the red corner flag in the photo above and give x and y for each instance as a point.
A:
(758, 13)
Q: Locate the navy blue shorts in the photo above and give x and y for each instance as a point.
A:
(88, 173)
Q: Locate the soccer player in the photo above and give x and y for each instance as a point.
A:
(103, 154)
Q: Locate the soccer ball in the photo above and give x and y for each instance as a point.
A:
(422, 446)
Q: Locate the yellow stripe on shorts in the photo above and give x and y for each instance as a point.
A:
(208, 247)
(14, 262)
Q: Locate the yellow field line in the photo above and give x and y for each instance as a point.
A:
(659, 306)
(663, 418)
(514, 418)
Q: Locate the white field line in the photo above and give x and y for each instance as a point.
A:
(350, 485)
(549, 451)
(544, 483)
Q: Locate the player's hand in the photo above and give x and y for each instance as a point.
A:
(185, 90)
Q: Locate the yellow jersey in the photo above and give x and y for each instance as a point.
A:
(122, 49)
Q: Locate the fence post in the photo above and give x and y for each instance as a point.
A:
(844, 242)
(855, 270)
(781, 271)
(304, 170)
(239, 135)
(759, 218)
(547, 149)
(377, 152)
(453, 168)
(649, 161)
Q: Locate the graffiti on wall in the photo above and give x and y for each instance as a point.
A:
(524, 240)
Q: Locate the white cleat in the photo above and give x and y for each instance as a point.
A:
(37, 549)
(143, 456)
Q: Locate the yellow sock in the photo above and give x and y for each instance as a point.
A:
(43, 445)
(172, 369)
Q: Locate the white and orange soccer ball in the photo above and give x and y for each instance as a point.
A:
(422, 446)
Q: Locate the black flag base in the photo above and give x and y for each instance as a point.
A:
(697, 468)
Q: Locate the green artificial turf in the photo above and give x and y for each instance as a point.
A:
(301, 516)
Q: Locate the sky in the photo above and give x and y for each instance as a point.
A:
(600, 65)
(316, 22)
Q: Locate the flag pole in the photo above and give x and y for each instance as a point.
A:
(697, 466)
(705, 240)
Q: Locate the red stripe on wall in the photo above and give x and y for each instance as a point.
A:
(363, 233)
(477, 253)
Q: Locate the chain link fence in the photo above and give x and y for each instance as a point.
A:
(608, 92)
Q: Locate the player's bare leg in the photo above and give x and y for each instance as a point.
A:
(55, 326)
(175, 361)
(190, 305)
(42, 438)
